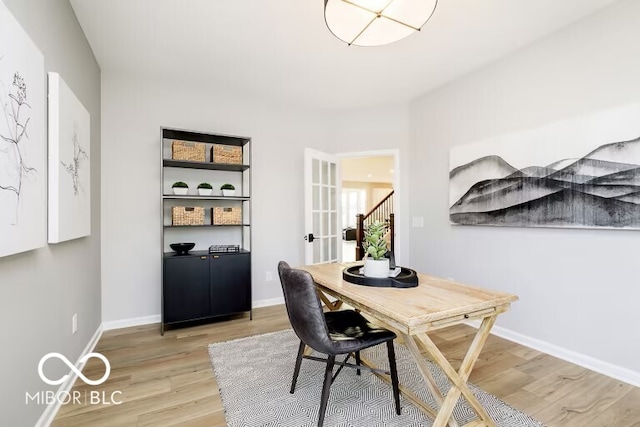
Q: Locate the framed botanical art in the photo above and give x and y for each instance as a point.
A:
(23, 147)
(69, 164)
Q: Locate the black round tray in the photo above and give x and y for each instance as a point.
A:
(407, 278)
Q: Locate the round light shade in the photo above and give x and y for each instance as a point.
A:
(376, 22)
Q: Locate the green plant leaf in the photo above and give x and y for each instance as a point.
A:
(373, 242)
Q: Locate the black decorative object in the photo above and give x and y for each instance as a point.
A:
(392, 260)
(182, 248)
(407, 278)
(223, 248)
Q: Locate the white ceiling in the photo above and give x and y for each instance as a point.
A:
(367, 169)
(281, 50)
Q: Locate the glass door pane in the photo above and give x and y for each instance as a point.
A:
(322, 207)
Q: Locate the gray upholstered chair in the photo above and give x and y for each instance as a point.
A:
(332, 333)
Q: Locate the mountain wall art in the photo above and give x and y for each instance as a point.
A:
(582, 173)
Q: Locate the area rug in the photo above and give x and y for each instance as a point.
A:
(254, 377)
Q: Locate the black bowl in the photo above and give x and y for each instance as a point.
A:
(182, 248)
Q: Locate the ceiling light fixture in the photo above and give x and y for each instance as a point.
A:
(376, 22)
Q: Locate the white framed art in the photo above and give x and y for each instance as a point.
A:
(69, 164)
(23, 149)
(578, 173)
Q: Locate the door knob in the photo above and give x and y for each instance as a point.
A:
(309, 237)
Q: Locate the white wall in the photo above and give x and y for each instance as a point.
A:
(382, 130)
(133, 112)
(40, 290)
(579, 289)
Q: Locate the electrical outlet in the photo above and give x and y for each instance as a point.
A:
(269, 276)
(74, 323)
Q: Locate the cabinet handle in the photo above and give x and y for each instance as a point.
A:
(215, 257)
(203, 257)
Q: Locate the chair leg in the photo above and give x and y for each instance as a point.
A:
(394, 375)
(296, 370)
(326, 386)
(358, 362)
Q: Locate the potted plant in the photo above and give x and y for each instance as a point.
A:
(205, 189)
(180, 188)
(228, 190)
(375, 246)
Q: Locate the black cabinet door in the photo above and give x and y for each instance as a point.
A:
(186, 288)
(230, 283)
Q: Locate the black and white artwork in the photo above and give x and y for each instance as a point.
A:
(581, 173)
(23, 148)
(69, 172)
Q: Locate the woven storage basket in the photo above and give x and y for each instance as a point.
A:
(229, 154)
(192, 151)
(181, 215)
(226, 216)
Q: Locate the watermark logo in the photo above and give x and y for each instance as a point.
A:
(75, 397)
(74, 369)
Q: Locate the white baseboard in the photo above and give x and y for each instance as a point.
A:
(617, 372)
(147, 320)
(127, 323)
(268, 302)
(51, 410)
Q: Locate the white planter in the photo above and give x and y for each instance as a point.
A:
(228, 193)
(205, 191)
(180, 191)
(376, 268)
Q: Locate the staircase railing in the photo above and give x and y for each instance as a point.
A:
(382, 212)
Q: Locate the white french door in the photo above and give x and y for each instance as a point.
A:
(323, 231)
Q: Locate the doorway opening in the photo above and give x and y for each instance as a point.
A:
(368, 181)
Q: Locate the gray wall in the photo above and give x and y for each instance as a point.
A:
(134, 110)
(579, 289)
(40, 290)
(375, 129)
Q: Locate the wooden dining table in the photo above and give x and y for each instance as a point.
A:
(412, 313)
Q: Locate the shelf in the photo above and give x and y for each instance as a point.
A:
(194, 197)
(206, 225)
(186, 135)
(203, 253)
(200, 285)
(169, 163)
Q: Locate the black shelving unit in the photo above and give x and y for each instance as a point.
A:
(201, 286)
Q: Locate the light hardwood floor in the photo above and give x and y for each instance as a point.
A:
(168, 381)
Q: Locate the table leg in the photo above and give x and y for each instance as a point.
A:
(331, 305)
(405, 391)
(459, 379)
(412, 345)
